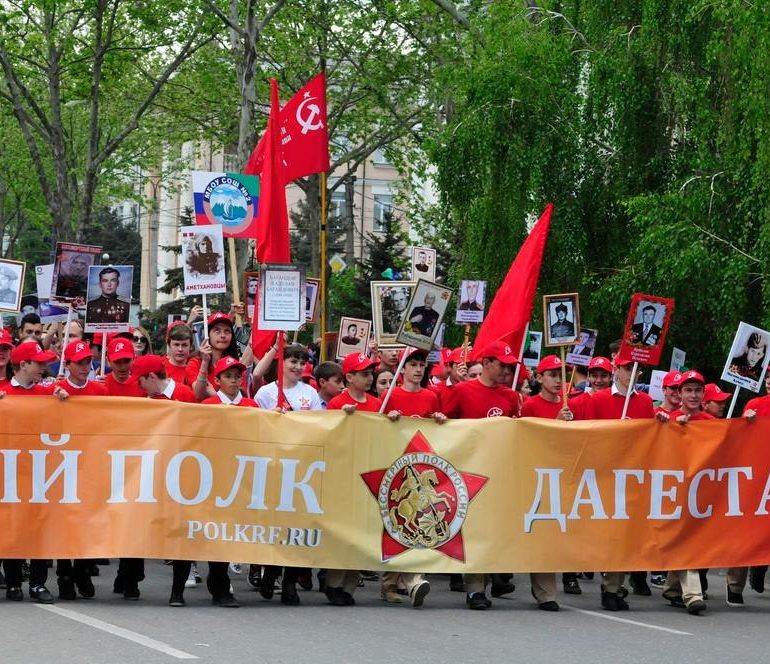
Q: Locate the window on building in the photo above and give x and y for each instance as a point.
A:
(337, 205)
(383, 206)
(379, 158)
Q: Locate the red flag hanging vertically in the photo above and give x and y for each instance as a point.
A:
(511, 308)
(304, 134)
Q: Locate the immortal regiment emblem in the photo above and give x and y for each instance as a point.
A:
(423, 501)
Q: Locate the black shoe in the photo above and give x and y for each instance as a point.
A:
(176, 600)
(305, 581)
(696, 607)
(456, 584)
(92, 570)
(289, 594)
(254, 577)
(85, 587)
(734, 599)
(613, 602)
(227, 601)
(66, 588)
(14, 594)
(640, 587)
(321, 580)
(267, 584)
(500, 589)
(118, 585)
(676, 602)
(548, 606)
(757, 579)
(478, 601)
(336, 596)
(41, 595)
(131, 590)
(572, 587)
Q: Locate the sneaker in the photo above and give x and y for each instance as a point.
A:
(478, 601)
(41, 595)
(696, 607)
(131, 590)
(66, 588)
(658, 580)
(192, 577)
(196, 575)
(227, 601)
(391, 597)
(734, 599)
(176, 600)
(85, 587)
(613, 602)
(254, 576)
(235, 568)
(572, 587)
(14, 594)
(548, 606)
(418, 593)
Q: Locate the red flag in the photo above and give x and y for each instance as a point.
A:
(304, 134)
(511, 309)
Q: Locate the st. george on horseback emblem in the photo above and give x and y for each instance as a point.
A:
(423, 501)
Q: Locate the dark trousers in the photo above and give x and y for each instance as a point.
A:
(290, 574)
(217, 582)
(131, 570)
(38, 572)
(75, 569)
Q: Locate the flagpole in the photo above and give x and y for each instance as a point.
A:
(323, 267)
(234, 277)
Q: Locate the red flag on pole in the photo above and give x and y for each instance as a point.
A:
(511, 308)
(303, 132)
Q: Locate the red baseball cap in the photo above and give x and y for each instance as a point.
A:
(499, 350)
(622, 361)
(356, 362)
(549, 363)
(672, 379)
(77, 351)
(715, 393)
(120, 349)
(101, 337)
(5, 339)
(226, 363)
(692, 377)
(177, 323)
(459, 355)
(29, 351)
(147, 364)
(219, 317)
(601, 363)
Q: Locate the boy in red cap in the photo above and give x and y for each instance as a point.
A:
(458, 373)
(150, 376)
(549, 402)
(29, 362)
(120, 356)
(410, 398)
(672, 400)
(178, 348)
(358, 372)
(599, 378)
(77, 360)
(228, 374)
(715, 400)
(683, 587)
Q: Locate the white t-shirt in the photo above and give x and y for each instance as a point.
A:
(300, 397)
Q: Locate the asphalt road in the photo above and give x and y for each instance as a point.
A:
(111, 630)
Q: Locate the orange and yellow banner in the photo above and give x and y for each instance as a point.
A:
(94, 477)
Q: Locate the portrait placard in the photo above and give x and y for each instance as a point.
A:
(561, 316)
(532, 350)
(281, 296)
(678, 357)
(470, 308)
(312, 291)
(11, 284)
(646, 327)
(426, 311)
(423, 263)
(250, 290)
(656, 385)
(389, 302)
(353, 336)
(747, 362)
(203, 252)
(109, 298)
(70, 272)
(581, 353)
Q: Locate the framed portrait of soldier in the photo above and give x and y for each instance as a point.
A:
(534, 346)
(203, 259)
(312, 290)
(11, 284)
(108, 301)
(748, 358)
(70, 271)
(389, 302)
(581, 353)
(561, 316)
(470, 307)
(423, 263)
(250, 290)
(646, 327)
(425, 313)
(353, 336)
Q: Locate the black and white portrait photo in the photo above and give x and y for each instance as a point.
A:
(562, 319)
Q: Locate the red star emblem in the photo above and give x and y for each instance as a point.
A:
(423, 501)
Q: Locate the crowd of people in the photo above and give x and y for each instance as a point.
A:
(61, 362)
